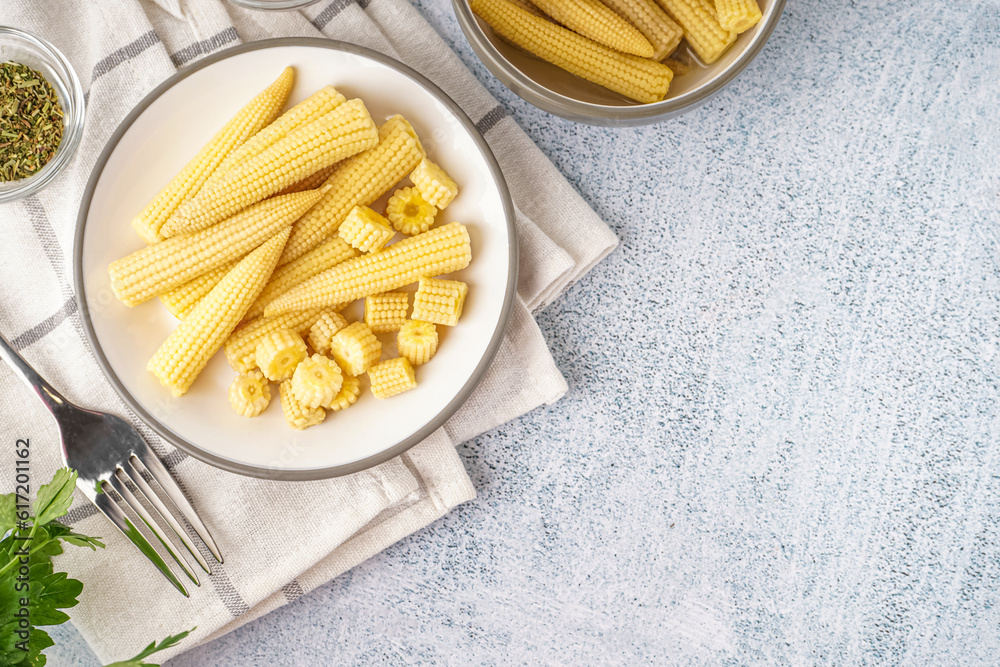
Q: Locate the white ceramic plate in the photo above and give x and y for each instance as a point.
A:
(161, 134)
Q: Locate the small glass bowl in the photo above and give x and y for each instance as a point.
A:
(273, 5)
(27, 49)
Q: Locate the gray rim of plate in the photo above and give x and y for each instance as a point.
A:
(299, 474)
(592, 113)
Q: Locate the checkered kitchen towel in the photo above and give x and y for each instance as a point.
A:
(276, 547)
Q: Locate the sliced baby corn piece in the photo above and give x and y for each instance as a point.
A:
(439, 301)
(168, 264)
(278, 353)
(310, 182)
(701, 27)
(317, 260)
(297, 415)
(417, 341)
(357, 181)
(640, 79)
(410, 213)
(654, 23)
(592, 19)
(241, 346)
(391, 377)
(441, 250)
(387, 311)
(258, 113)
(366, 230)
(355, 348)
(249, 394)
(348, 395)
(435, 186)
(317, 381)
(180, 300)
(186, 351)
(324, 329)
(345, 131)
(737, 15)
(317, 105)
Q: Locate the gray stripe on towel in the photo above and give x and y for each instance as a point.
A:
(216, 41)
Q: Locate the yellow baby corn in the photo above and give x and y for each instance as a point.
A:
(439, 301)
(701, 27)
(317, 260)
(358, 181)
(241, 346)
(654, 23)
(737, 15)
(441, 250)
(391, 377)
(249, 394)
(257, 114)
(592, 19)
(345, 131)
(278, 353)
(640, 79)
(387, 311)
(320, 103)
(171, 263)
(409, 212)
(186, 351)
(317, 381)
(310, 182)
(528, 7)
(355, 348)
(365, 229)
(180, 300)
(297, 415)
(324, 329)
(417, 341)
(348, 395)
(435, 186)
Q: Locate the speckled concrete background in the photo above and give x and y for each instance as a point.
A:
(780, 444)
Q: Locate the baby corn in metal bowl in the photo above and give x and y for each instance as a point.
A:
(617, 62)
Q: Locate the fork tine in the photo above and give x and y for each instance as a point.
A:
(165, 514)
(153, 466)
(111, 510)
(133, 503)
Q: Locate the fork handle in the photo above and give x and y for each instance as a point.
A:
(52, 399)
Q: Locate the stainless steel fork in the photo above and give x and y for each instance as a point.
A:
(111, 458)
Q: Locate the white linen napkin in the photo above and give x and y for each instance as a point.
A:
(280, 540)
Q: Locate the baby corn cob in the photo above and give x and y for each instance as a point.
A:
(348, 395)
(637, 78)
(241, 346)
(417, 341)
(297, 415)
(652, 22)
(434, 184)
(701, 27)
(278, 353)
(186, 351)
(317, 381)
(320, 103)
(249, 394)
(737, 15)
(358, 181)
(163, 266)
(439, 301)
(365, 229)
(180, 300)
(324, 329)
(355, 348)
(432, 253)
(391, 377)
(387, 311)
(409, 212)
(310, 182)
(592, 19)
(317, 260)
(343, 132)
(528, 7)
(257, 114)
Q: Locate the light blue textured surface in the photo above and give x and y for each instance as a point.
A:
(780, 444)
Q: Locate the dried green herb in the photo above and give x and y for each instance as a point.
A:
(31, 121)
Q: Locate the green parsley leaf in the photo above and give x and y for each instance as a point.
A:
(169, 642)
(54, 498)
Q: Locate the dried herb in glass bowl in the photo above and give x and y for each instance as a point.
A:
(31, 121)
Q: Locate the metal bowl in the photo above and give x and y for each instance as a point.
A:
(563, 94)
(22, 47)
